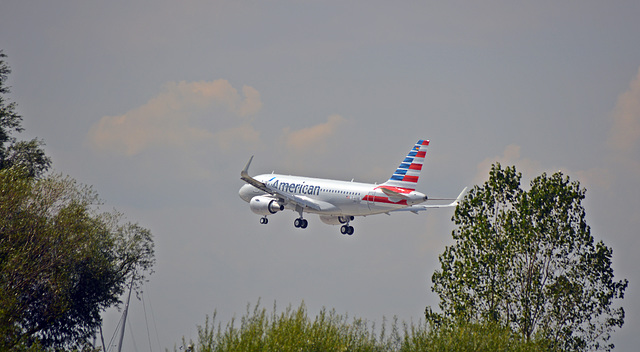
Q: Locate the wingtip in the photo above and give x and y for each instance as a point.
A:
(245, 171)
(460, 196)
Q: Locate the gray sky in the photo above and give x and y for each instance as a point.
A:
(159, 104)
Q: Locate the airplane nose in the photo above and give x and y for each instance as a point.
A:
(247, 192)
(244, 192)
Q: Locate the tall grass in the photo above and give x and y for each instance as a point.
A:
(293, 330)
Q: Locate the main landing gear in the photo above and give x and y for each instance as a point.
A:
(346, 230)
(301, 223)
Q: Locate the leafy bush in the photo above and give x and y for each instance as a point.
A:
(293, 330)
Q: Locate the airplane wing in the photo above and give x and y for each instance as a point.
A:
(298, 200)
(423, 207)
(293, 198)
(244, 176)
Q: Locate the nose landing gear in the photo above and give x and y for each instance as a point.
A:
(264, 220)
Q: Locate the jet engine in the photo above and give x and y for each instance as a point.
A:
(263, 205)
(335, 220)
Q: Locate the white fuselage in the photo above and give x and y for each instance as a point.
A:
(334, 197)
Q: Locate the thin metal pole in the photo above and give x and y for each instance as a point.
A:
(124, 316)
(102, 339)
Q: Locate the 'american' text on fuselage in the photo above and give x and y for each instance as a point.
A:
(296, 188)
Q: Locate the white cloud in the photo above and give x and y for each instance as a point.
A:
(243, 137)
(314, 138)
(510, 156)
(172, 118)
(625, 133)
(624, 136)
(221, 91)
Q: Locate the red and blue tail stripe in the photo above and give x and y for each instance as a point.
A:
(407, 174)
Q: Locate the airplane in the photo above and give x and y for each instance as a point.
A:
(339, 202)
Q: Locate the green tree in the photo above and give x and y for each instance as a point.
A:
(27, 154)
(61, 262)
(527, 259)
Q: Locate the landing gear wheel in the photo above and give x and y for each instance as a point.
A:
(346, 230)
(264, 220)
(301, 223)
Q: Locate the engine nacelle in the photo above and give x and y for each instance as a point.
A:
(263, 205)
(334, 219)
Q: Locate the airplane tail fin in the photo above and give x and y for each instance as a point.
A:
(407, 174)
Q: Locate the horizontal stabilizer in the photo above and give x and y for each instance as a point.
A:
(393, 195)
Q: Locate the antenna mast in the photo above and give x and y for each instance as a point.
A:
(124, 317)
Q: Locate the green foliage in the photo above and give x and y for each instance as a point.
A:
(527, 260)
(10, 121)
(61, 262)
(462, 336)
(291, 330)
(294, 330)
(26, 154)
